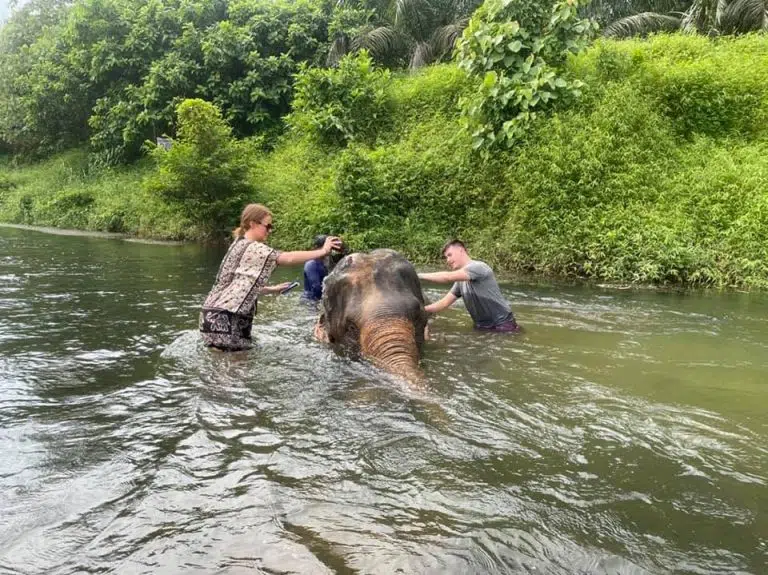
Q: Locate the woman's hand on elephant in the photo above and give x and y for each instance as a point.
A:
(331, 243)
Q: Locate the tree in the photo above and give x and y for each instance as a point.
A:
(399, 32)
(205, 172)
(341, 105)
(34, 80)
(113, 71)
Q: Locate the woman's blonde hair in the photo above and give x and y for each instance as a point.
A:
(252, 213)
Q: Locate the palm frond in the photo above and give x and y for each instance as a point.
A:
(703, 16)
(745, 16)
(339, 48)
(641, 25)
(415, 17)
(380, 42)
(422, 55)
(693, 20)
(444, 38)
(607, 11)
(722, 5)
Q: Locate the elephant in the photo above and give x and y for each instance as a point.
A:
(373, 304)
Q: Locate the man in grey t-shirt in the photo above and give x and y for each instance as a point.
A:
(475, 282)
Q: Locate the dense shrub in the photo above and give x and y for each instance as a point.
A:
(410, 192)
(296, 181)
(418, 97)
(516, 54)
(113, 71)
(204, 172)
(718, 88)
(619, 188)
(341, 105)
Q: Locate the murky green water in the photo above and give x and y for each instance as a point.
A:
(623, 432)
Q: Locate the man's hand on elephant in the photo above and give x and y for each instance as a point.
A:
(440, 305)
(331, 243)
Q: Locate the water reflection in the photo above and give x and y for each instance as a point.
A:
(623, 432)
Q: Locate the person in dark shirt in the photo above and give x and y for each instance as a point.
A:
(316, 270)
(314, 273)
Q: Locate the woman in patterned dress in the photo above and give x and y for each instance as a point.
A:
(227, 315)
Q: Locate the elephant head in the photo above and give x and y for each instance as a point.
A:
(373, 303)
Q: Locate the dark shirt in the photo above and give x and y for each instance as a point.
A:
(314, 272)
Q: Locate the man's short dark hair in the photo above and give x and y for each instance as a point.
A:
(318, 241)
(452, 243)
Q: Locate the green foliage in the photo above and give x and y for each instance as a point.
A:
(633, 184)
(417, 96)
(296, 182)
(368, 209)
(622, 188)
(519, 65)
(6, 183)
(718, 88)
(630, 188)
(113, 71)
(67, 192)
(241, 55)
(313, 189)
(343, 104)
(204, 174)
(27, 47)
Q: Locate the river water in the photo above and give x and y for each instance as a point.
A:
(623, 432)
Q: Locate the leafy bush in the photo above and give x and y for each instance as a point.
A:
(616, 188)
(341, 105)
(424, 94)
(612, 189)
(718, 88)
(112, 71)
(518, 65)
(296, 182)
(204, 174)
(6, 183)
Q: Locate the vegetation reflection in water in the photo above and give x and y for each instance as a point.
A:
(623, 432)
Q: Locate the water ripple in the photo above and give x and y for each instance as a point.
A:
(623, 432)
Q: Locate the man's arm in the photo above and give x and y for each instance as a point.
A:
(444, 303)
(446, 277)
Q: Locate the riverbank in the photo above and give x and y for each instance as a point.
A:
(657, 175)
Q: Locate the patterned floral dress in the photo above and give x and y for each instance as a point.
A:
(227, 315)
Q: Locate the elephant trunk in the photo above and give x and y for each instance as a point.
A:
(390, 343)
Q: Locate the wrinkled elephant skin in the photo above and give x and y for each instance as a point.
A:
(373, 303)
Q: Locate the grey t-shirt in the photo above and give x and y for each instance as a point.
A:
(482, 296)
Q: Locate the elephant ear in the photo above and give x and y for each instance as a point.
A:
(341, 299)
